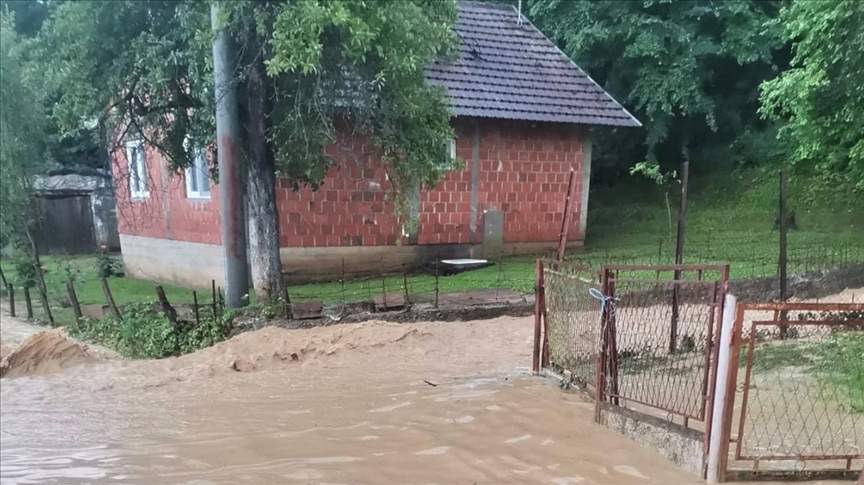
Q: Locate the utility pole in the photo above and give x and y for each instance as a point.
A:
(230, 176)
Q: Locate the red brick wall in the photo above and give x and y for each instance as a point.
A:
(522, 172)
(166, 212)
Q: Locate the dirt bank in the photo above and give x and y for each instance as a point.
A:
(44, 353)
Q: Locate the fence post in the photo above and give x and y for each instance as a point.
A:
(782, 260)
(213, 292)
(167, 309)
(600, 383)
(109, 298)
(405, 283)
(195, 308)
(679, 250)
(565, 223)
(544, 349)
(716, 421)
(342, 283)
(10, 290)
(289, 314)
(384, 290)
(28, 302)
(437, 275)
(73, 300)
(535, 361)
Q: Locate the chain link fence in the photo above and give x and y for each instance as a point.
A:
(573, 322)
(799, 390)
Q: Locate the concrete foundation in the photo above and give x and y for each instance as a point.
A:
(182, 263)
(194, 265)
(682, 446)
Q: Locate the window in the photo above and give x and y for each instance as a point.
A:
(198, 177)
(138, 176)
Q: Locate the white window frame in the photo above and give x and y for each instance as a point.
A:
(201, 168)
(138, 176)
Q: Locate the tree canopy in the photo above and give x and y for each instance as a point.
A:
(690, 70)
(819, 101)
(22, 147)
(148, 65)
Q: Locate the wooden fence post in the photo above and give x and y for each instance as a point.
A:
(405, 283)
(73, 300)
(679, 250)
(782, 262)
(437, 276)
(535, 360)
(10, 290)
(167, 309)
(195, 308)
(213, 290)
(109, 299)
(289, 314)
(28, 302)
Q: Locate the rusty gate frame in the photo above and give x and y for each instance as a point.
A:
(608, 351)
(606, 361)
(738, 341)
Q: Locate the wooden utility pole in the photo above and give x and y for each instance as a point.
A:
(230, 175)
(679, 249)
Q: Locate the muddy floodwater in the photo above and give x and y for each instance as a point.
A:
(361, 403)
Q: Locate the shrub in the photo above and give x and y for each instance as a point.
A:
(142, 332)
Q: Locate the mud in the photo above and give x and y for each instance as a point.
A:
(44, 353)
(375, 402)
(372, 402)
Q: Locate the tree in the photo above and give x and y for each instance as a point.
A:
(21, 147)
(305, 66)
(21, 150)
(820, 99)
(690, 70)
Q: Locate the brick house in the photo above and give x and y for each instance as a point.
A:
(521, 113)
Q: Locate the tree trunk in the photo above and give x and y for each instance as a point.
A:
(263, 218)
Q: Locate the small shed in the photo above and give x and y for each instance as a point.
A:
(77, 212)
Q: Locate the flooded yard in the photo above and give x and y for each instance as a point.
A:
(361, 403)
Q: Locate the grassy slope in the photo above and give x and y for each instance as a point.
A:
(730, 218)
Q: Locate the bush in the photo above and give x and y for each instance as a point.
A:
(109, 266)
(143, 333)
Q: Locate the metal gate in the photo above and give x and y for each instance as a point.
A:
(795, 392)
(644, 341)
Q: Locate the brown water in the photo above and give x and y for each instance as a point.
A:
(349, 406)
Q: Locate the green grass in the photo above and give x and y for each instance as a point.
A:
(88, 287)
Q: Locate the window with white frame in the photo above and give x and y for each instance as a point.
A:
(198, 176)
(138, 176)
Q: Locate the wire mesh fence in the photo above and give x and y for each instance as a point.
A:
(662, 336)
(573, 321)
(799, 390)
(646, 336)
(749, 258)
